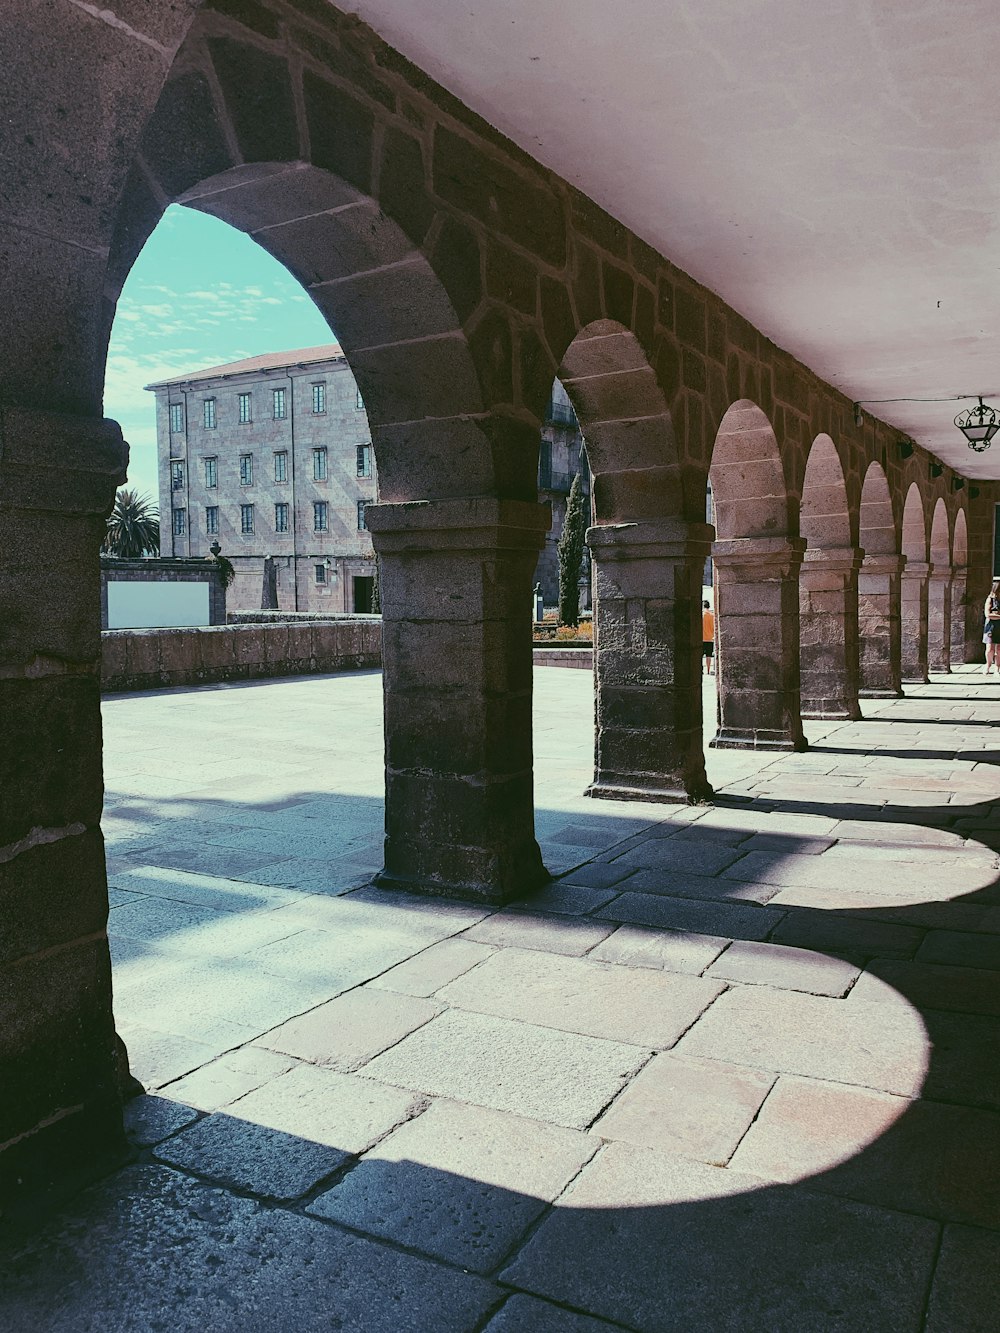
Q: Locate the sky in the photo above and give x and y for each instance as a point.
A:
(200, 294)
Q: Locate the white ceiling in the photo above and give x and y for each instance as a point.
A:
(832, 169)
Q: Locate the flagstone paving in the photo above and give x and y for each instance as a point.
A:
(736, 1068)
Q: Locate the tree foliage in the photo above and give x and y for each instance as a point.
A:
(570, 551)
(134, 526)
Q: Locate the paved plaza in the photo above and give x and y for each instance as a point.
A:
(736, 1068)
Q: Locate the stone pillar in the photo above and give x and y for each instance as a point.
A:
(959, 617)
(648, 661)
(828, 632)
(455, 583)
(913, 620)
(939, 618)
(59, 1092)
(879, 626)
(757, 626)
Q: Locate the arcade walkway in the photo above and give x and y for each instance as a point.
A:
(738, 1068)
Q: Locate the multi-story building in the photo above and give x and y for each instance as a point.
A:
(271, 456)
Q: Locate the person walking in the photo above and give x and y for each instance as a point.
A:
(991, 630)
(708, 636)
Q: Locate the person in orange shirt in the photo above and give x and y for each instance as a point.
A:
(708, 637)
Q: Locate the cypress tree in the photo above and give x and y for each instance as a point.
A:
(570, 550)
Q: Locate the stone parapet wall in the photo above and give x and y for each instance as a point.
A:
(297, 617)
(564, 657)
(155, 659)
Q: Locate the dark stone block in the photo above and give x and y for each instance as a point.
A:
(619, 294)
(351, 65)
(537, 371)
(693, 371)
(644, 317)
(340, 131)
(557, 316)
(492, 353)
(402, 186)
(488, 189)
(511, 278)
(458, 263)
(52, 894)
(249, 13)
(257, 88)
(183, 142)
(139, 213)
(587, 286)
(691, 325)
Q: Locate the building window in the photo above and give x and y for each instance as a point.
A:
(212, 520)
(364, 462)
(246, 518)
(211, 473)
(321, 573)
(319, 397)
(176, 417)
(176, 476)
(279, 404)
(246, 408)
(209, 413)
(281, 465)
(246, 469)
(360, 404)
(320, 513)
(361, 514)
(180, 522)
(319, 465)
(281, 518)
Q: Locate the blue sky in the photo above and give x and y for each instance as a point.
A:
(200, 294)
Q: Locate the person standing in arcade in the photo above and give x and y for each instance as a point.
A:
(708, 636)
(991, 630)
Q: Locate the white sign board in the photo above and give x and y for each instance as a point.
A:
(153, 605)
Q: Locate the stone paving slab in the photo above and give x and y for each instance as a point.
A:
(536, 1072)
(644, 1008)
(961, 949)
(157, 1058)
(528, 1314)
(882, 1046)
(152, 1119)
(826, 930)
(671, 950)
(964, 1294)
(919, 1157)
(727, 919)
(699, 1108)
(347, 1031)
(597, 876)
(461, 1183)
(675, 856)
(228, 895)
(229, 1077)
(662, 1243)
(111, 1262)
(523, 930)
(784, 967)
(567, 899)
(701, 887)
(428, 971)
(966, 1063)
(932, 986)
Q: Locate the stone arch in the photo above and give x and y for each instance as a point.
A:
(878, 590)
(756, 564)
(960, 617)
(939, 592)
(649, 563)
(913, 609)
(828, 589)
(626, 422)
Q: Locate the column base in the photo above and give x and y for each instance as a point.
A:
(916, 680)
(730, 738)
(880, 694)
(495, 894)
(666, 795)
(831, 712)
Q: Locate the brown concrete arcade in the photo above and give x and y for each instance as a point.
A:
(460, 278)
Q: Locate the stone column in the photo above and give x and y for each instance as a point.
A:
(757, 626)
(939, 618)
(828, 632)
(913, 620)
(879, 626)
(648, 662)
(455, 583)
(59, 1093)
(959, 617)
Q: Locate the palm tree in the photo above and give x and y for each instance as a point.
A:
(134, 526)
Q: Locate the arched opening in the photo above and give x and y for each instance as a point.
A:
(939, 593)
(913, 609)
(756, 564)
(964, 644)
(649, 562)
(828, 590)
(879, 590)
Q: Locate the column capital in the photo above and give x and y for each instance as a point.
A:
(52, 462)
(917, 569)
(842, 559)
(474, 523)
(942, 573)
(671, 539)
(780, 553)
(883, 564)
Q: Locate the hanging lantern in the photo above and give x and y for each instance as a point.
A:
(979, 425)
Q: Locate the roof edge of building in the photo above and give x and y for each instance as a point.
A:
(255, 365)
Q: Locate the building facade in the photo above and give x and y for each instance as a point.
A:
(271, 456)
(562, 454)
